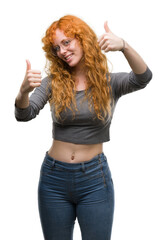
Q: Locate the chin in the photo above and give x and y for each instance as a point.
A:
(72, 64)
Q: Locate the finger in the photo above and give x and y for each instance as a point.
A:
(106, 27)
(34, 71)
(100, 38)
(107, 49)
(102, 41)
(28, 65)
(35, 85)
(36, 75)
(35, 80)
(104, 46)
(104, 37)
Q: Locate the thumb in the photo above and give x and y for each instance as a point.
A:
(28, 65)
(106, 27)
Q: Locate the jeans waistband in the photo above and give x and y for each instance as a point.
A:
(99, 158)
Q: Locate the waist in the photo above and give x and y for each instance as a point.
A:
(74, 153)
(96, 160)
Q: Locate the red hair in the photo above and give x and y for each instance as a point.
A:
(97, 74)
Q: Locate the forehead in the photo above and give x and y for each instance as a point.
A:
(59, 36)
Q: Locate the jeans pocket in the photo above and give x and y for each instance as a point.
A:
(46, 168)
(93, 173)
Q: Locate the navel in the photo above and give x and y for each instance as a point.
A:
(73, 156)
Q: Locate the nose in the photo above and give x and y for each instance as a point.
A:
(62, 50)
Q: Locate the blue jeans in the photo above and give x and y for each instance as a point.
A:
(69, 190)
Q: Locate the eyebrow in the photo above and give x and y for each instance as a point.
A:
(63, 40)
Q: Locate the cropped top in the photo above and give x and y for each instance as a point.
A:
(82, 129)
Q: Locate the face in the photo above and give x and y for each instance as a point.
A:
(68, 49)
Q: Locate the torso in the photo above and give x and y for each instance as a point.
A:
(74, 153)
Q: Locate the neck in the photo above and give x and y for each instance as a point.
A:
(79, 70)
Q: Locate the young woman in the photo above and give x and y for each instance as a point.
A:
(75, 179)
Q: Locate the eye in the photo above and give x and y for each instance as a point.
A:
(57, 48)
(66, 42)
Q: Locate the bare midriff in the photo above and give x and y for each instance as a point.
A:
(74, 153)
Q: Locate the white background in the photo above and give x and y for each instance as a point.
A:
(136, 152)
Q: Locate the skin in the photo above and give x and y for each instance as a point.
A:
(108, 41)
(74, 48)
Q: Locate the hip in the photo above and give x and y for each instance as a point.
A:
(77, 178)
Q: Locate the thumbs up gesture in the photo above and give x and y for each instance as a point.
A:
(32, 79)
(109, 41)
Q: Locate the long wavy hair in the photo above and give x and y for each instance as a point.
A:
(63, 88)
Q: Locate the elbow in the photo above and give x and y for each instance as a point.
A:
(24, 115)
(22, 119)
(150, 75)
(145, 78)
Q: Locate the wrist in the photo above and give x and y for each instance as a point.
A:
(123, 45)
(22, 100)
(22, 95)
(22, 92)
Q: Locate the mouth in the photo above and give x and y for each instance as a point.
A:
(68, 58)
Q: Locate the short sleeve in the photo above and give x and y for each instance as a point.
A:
(123, 82)
(37, 101)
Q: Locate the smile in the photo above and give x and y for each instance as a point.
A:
(69, 57)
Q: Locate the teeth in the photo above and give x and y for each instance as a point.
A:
(68, 57)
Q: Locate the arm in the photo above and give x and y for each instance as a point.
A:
(122, 82)
(110, 42)
(22, 100)
(135, 61)
(27, 108)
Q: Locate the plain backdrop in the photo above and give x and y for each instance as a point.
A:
(136, 151)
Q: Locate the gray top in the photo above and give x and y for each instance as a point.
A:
(83, 129)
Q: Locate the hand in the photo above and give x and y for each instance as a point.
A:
(32, 79)
(109, 41)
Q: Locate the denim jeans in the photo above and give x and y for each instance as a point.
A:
(68, 190)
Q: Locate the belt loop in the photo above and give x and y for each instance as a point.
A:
(83, 166)
(53, 164)
(99, 158)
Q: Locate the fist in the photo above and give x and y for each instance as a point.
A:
(32, 79)
(109, 41)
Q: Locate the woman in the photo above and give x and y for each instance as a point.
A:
(75, 179)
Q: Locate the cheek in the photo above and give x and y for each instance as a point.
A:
(78, 48)
(59, 56)
(81, 52)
